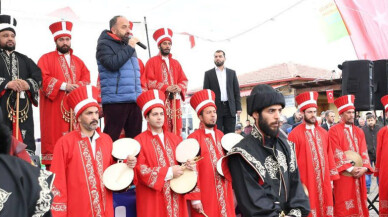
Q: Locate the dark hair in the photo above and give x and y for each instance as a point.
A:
(220, 51)
(113, 21)
(327, 113)
(201, 113)
(370, 116)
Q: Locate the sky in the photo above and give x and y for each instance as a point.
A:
(253, 33)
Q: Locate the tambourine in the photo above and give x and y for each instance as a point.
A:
(184, 183)
(187, 150)
(229, 140)
(219, 166)
(119, 176)
(354, 158)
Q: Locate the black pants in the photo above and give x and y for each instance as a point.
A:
(225, 121)
(122, 115)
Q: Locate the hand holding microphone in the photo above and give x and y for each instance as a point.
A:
(133, 40)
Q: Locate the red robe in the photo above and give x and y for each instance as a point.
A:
(381, 170)
(154, 197)
(349, 193)
(215, 192)
(78, 188)
(157, 76)
(316, 167)
(53, 107)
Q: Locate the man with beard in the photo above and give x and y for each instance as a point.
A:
(371, 130)
(329, 116)
(62, 72)
(215, 195)
(314, 156)
(350, 193)
(19, 76)
(164, 73)
(80, 158)
(119, 73)
(263, 165)
(227, 92)
(157, 163)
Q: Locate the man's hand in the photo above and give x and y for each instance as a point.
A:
(132, 41)
(358, 172)
(71, 87)
(15, 85)
(171, 89)
(24, 84)
(177, 171)
(131, 161)
(177, 89)
(191, 165)
(198, 207)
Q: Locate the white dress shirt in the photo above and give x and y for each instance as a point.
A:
(310, 127)
(221, 76)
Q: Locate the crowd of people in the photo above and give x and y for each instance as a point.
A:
(296, 166)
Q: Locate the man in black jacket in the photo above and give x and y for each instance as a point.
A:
(370, 130)
(223, 82)
(263, 166)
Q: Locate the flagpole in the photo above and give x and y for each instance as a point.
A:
(148, 41)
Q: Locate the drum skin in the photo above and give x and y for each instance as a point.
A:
(118, 177)
(184, 183)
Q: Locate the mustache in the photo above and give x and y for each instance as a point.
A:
(94, 122)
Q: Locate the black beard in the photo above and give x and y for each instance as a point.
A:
(219, 64)
(308, 121)
(64, 49)
(164, 53)
(125, 39)
(8, 48)
(209, 125)
(263, 125)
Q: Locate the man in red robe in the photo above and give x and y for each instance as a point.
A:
(156, 163)
(80, 158)
(62, 72)
(314, 156)
(215, 194)
(350, 193)
(381, 170)
(164, 73)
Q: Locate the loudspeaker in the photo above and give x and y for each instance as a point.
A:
(380, 73)
(357, 79)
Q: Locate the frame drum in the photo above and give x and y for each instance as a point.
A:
(354, 158)
(184, 183)
(229, 140)
(124, 147)
(186, 150)
(118, 177)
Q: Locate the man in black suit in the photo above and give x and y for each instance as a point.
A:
(329, 116)
(223, 82)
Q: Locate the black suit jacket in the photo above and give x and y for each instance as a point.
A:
(324, 126)
(232, 89)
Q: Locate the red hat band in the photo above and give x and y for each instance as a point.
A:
(384, 101)
(344, 103)
(307, 100)
(61, 29)
(202, 99)
(83, 98)
(162, 34)
(149, 100)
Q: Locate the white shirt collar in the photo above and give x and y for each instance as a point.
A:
(207, 131)
(310, 127)
(161, 136)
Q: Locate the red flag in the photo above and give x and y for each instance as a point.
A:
(192, 41)
(330, 96)
(367, 23)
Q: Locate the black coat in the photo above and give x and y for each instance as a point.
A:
(257, 181)
(232, 88)
(371, 140)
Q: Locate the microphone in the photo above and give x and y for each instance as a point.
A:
(139, 43)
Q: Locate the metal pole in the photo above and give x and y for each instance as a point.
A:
(148, 41)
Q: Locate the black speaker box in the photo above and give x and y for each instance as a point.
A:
(380, 73)
(357, 79)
